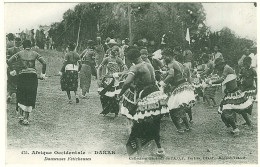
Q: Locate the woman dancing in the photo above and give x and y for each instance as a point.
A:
(182, 97)
(143, 103)
(113, 65)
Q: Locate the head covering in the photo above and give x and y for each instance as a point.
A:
(143, 52)
(112, 42)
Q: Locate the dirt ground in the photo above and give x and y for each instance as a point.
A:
(58, 126)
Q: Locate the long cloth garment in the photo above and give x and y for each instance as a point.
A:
(26, 91)
(85, 77)
(145, 108)
(69, 80)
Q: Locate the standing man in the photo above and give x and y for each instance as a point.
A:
(11, 78)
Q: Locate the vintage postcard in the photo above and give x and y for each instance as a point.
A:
(137, 83)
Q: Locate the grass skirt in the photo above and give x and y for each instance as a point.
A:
(237, 101)
(108, 94)
(145, 109)
(182, 96)
(149, 103)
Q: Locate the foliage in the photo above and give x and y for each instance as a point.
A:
(149, 20)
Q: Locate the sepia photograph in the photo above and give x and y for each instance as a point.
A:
(138, 83)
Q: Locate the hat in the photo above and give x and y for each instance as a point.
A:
(112, 42)
(143, 52)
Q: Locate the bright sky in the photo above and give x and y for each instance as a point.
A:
(239, 17)
(31, 15)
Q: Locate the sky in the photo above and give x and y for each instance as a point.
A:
(239, 17)
(31, 15)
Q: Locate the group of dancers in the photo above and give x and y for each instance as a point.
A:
(144, 90)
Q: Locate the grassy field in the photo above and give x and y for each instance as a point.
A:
(58, 126)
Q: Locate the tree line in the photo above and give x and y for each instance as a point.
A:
(143, 21)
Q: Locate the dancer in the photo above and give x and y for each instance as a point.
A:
(234, 101)
(69, 72)
(182, 96)
(27, 82)
(143, 103)
(209, 90)
(113, 65)
(11, 78)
